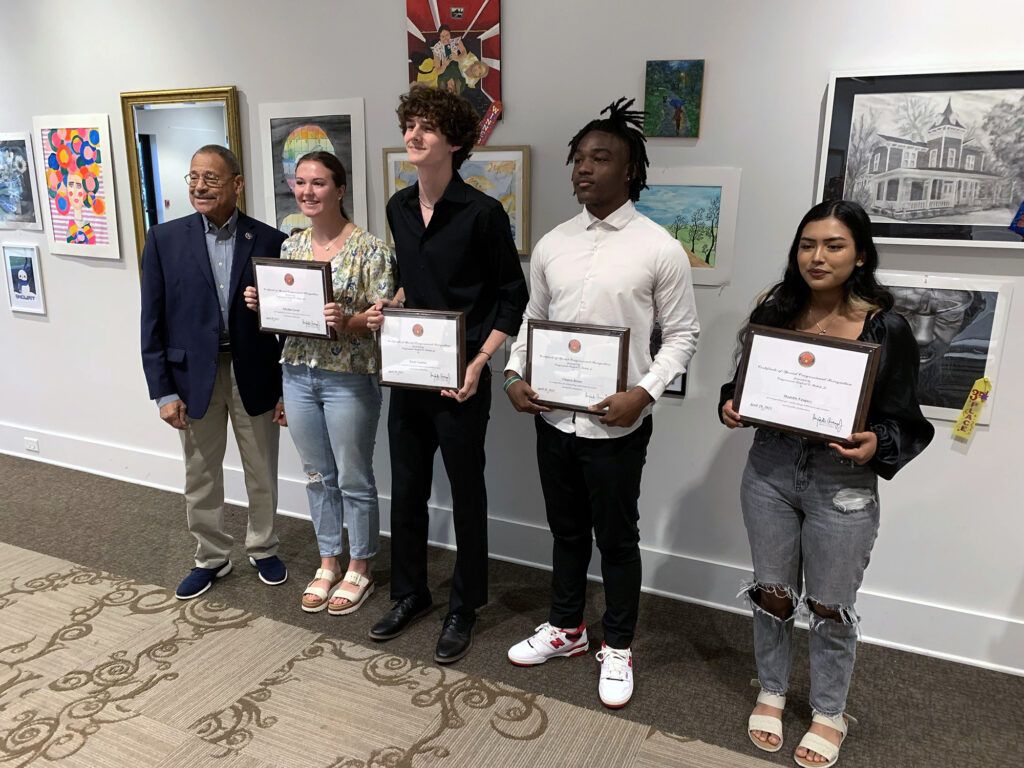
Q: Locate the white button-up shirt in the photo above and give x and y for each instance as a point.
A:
(620, 271)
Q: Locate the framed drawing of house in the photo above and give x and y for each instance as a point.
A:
(934, 157)
(696, 206)
(959, 322)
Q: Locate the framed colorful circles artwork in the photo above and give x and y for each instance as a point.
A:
(76, 177)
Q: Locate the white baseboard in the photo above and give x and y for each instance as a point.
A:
(955, 634)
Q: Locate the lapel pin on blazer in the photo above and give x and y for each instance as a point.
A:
(248, 235)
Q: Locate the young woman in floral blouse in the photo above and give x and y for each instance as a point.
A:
(331, 396)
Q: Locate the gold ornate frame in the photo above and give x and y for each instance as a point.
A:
(227, 94)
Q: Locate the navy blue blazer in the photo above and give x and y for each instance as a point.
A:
(181, 316)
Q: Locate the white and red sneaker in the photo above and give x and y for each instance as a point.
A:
(616, 686)
(547, 643)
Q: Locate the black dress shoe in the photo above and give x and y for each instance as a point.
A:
(456, 637)
(402, 614)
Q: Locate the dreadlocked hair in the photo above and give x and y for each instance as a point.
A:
(628, 125)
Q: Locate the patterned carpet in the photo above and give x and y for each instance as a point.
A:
(97, 670)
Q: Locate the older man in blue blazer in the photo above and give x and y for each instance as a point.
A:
(205, 360)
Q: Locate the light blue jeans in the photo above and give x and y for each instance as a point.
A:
(332, 418)
(812, 519)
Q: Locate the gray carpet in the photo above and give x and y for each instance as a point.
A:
(692, 666)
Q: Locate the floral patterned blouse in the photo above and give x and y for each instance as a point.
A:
(362, 271)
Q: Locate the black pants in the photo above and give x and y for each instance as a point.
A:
(418, 423)
(594, 484)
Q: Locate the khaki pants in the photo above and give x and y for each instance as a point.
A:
(203, 442)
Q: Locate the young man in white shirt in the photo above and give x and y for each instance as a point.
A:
(610, 265)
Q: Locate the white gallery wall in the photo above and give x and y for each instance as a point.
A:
(947, 575)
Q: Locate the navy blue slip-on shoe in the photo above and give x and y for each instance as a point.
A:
(199, 580)
(272, 570)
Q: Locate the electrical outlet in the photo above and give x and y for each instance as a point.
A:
(31, 444)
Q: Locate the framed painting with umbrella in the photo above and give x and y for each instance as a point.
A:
(673, 91)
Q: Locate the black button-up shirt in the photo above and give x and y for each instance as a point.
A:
(464, 261)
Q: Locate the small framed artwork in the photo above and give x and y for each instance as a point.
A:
(676, 387)
(697, 207)
(499, 172)
(74, 155)
(673, 91)
(959, 322)
(934, 157)
(290, 130)
(19, 195)
(24, 278)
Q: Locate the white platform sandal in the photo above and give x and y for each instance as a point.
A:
(821, 745)
(314, 599)
(355, 599)
(767, 723)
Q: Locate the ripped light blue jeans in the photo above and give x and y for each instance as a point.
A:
(812, 518)
(332, 417)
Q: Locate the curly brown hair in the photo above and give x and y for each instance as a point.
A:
(450, 113)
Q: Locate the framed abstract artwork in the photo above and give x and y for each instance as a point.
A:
(499, 172)
(457, 47)
(23, 278)
(19, 194)
(75, 160)
(673, 91)
(934, 157)
(959, 322)
(697, 206)
(290, 130)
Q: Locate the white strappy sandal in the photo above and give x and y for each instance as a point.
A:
(821, 745)
(767, 723)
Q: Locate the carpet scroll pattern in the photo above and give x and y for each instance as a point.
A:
(99, 670)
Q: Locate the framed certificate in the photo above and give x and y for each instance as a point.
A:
(421, 349)
(292, 294)
(806, 384)
(575, 366)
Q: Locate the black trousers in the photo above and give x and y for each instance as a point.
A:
(418, 423)
(591, 484)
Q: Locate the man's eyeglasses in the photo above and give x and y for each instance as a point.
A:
(212, 180)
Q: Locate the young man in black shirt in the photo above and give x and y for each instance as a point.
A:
(455, 252)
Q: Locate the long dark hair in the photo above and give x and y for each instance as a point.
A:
(332, 164)
(782, 304)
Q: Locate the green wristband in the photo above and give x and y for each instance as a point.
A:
(510, 381)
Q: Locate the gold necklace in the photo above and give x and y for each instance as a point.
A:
(427, 205)
(822, 331)
(327, 248)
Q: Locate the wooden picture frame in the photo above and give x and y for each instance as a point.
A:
(577, 333)
(420, 377)
(499, 172)
(807, 350)
(174, 162)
